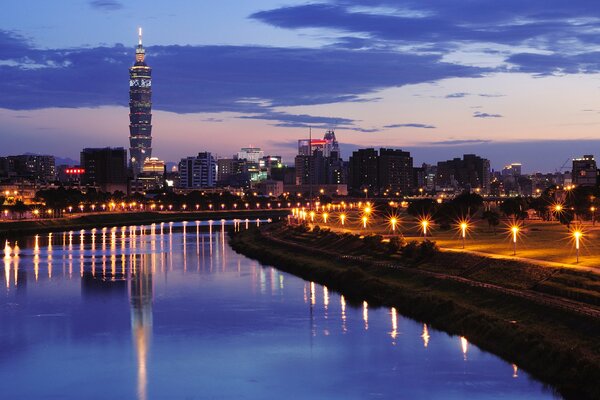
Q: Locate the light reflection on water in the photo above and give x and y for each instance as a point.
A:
(205, 322)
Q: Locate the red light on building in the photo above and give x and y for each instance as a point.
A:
(75, 171)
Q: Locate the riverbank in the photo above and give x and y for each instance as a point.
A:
(546, 321)
(12, 228)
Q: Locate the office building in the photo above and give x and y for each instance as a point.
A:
(198, 172)
(105, 168)
(140, 110)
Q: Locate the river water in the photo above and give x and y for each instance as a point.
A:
(155, 313)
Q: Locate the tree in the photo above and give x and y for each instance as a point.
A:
(515, 207)
(20, 208)
(492, 217)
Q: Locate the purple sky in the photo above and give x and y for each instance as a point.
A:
(510, 80)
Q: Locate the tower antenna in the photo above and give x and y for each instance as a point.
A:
(140, 35)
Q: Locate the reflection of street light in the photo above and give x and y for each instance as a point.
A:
(577, 235)
(515, 231)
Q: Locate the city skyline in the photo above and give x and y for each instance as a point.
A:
(501, 80)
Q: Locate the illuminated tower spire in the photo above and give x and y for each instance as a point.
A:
(140, 109)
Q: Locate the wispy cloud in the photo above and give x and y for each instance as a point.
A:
(457, 95)
(106, 5)
(458, 142)
(412, 125)
(478, 114)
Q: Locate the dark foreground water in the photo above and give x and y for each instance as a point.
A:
(118, 314)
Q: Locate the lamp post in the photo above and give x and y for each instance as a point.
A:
(577, 235)
(463, 228)
(424, 225)
(343, 219)
(393, 222)
(515, 232)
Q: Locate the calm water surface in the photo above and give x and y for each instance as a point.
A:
(156, 313)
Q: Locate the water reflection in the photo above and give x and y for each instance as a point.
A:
(141, 320)
(236, 320)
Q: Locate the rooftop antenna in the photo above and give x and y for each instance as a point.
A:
(140, 36)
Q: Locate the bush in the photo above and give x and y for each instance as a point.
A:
(428, 249)
(395, 245)
(316, 229)
(410, 249)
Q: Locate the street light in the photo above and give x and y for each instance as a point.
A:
(342, 218)
(577, 234)
(515, 231)
(364, 220)
(463, 227)
(424, 224)
(325, 215)
(312, 216)
(393, 223)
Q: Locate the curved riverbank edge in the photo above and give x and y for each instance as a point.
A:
(556, 345)
(18, 228)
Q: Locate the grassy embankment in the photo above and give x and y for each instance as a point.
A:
(88, 221)
(546, 320)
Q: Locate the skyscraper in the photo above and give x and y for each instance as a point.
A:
(140, 110)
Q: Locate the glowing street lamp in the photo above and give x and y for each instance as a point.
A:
(342, 218)
(312, 216)
(325, 215)
(515, 232)
(463, 230)
(593, 210)
(393, 223)
(424, 225)
(365, 219)
(577, 234)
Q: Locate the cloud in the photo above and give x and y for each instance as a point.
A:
(458, 142)
(423, 126)
(457, 95)
(106, 5)
(563, 31)
(222, 78)
(478, 114)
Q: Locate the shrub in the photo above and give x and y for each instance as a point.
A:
(427, 249)
(410, 249)
(395, 245)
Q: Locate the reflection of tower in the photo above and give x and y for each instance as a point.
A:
(140, 107)
(141, 319)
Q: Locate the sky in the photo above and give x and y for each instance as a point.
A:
(511, 80)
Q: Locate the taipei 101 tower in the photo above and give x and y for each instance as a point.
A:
(140, 110)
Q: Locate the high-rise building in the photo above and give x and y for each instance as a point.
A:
(140, 110)
(470, 173)
(30, 167)
(327, 145)
(390, 170)
(251, 154)
(585, 171)
(198, 172)
(363, 170)
(105, 168)
(513, 169)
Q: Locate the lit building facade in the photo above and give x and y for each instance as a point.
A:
(585, 171)
(140, 110)
(198, 172)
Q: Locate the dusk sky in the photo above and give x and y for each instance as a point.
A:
(511, 80)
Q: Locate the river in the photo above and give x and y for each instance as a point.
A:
(170, 311)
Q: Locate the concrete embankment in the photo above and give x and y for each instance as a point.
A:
(13, 228)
